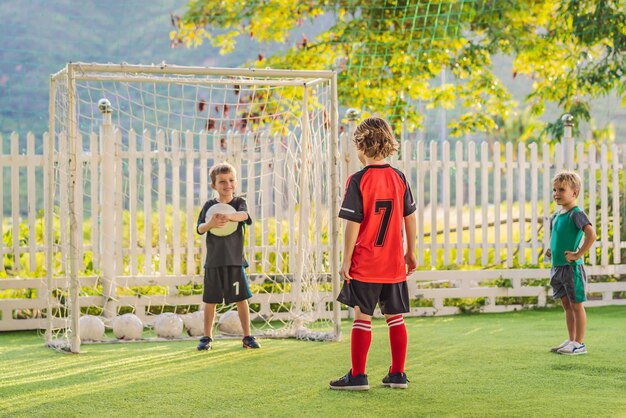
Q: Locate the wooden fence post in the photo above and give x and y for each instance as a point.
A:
(351, 160)
(107, 216)
(568, 141)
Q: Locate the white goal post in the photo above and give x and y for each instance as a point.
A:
(130, 148)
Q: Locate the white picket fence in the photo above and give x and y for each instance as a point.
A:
(483, 210)
(503, 200)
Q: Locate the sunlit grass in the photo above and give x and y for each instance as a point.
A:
(468, 365)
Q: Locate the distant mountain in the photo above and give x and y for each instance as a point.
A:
(38, 38)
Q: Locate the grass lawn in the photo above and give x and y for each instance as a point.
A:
(471, 365)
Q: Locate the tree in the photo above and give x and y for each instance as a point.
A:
(573, 50)
(388, 53)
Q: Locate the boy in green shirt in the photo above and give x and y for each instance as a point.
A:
(567, 277)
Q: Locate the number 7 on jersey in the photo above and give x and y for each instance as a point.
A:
(386, 207)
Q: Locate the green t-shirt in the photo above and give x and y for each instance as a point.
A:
(567, 232)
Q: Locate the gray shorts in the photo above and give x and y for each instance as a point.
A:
(569, 281)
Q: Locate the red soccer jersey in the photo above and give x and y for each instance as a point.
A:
(378, 197)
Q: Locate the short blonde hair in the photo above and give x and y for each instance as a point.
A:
(570, 178)
(221, 168)
(374, 137)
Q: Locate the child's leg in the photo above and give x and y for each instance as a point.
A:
(209, 316)
(244, 316)
(580, 319)
(398, 340)
(360, 341)
(570, 319)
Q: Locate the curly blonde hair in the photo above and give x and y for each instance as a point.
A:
(221, 168)
(374, 137)
(570, 178)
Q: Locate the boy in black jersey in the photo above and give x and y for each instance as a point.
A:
(377, 206)
(224, 276)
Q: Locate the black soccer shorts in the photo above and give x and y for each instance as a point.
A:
(392, 298)
(226, 284)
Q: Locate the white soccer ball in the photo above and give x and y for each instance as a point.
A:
(91, 328)
(127, 327)
(225, 209)
(168, 325)
(194, 323)
(230, 324)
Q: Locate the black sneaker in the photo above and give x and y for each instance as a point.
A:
(250, 342)
(396, 380)
(205, 343)
(349, 382)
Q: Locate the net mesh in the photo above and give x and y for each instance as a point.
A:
(409, 61)
(137, 206)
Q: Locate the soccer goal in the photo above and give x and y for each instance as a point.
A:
(128, 156)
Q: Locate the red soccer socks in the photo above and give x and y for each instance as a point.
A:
(360, 341)
(398, 341)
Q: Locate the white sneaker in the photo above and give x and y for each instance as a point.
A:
(573, 349)
(557, 347)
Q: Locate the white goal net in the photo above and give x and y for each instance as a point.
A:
(131, 147)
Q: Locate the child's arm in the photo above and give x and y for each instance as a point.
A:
(218, 220)
(409, 256)
(238, 216)
(590, 237)
(349, 241)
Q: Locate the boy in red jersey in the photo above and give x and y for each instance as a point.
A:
(376, 205)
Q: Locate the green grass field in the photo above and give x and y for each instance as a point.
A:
(470, 365)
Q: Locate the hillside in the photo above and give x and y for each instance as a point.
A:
(39, 37)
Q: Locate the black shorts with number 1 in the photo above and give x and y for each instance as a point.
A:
(226, 284)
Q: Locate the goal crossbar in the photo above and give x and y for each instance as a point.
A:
(188, 80)
(166, 69)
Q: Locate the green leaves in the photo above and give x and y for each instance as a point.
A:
(390, 54)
